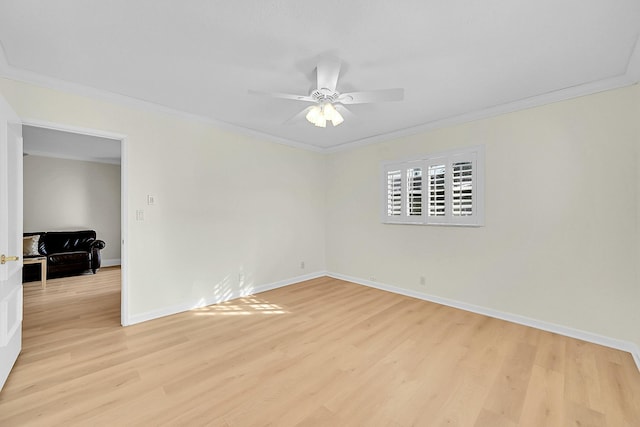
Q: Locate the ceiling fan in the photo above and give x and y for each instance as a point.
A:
(329, 104)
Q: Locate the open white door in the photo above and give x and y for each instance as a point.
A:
(10, 239)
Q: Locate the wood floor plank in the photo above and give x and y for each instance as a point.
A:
(488, 418)
(543, 402)
(508, 393)
(324, 352)
(582, 382)
(576, 415)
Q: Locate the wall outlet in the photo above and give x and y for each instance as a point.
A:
(139, 215)
(302, 264)
(423, 281)
(151, 200)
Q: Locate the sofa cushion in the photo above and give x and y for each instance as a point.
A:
(78, 257)
(30, 245)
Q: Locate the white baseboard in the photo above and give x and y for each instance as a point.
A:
(215, 299)
(509, 317)
(110, 262)
(514, 318)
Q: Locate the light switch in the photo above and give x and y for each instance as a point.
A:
(140, 215)
(151, 200)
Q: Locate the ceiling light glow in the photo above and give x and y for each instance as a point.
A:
(319, 115)
(314, 114)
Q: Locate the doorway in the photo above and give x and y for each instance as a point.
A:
(76, 155)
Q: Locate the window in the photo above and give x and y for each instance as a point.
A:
(441, 189)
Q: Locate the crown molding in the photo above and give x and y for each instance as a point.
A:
(25, 76)
(523, 104)
(630, 77)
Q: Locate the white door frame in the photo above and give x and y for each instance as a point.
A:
(124, 191)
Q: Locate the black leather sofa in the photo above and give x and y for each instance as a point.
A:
(68, 253)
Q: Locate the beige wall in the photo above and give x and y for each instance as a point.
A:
(62, 194)
(561, 240)
(231, 212)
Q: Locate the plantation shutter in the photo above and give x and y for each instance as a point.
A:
(414, 192)
(404, 192)
(394, 193)
(463, 188)
(436, 183)
(437, 190)
(442, 189)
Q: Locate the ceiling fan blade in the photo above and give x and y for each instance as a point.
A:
(370, 96)
(327, 73)
(282, 96)
(301, 115)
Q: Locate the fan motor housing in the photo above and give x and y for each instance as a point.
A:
(324, 95)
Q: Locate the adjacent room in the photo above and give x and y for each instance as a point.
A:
(71, 189)
(394, 214)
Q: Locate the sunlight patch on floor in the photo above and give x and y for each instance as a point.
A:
(241, 307)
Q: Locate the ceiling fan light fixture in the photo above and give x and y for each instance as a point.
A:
(330, 113)
(314, 114)
(337, 118)
(320, 114)
(328, 110)
(325, 97)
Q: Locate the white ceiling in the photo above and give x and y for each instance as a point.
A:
(39, 141)
(456, 60)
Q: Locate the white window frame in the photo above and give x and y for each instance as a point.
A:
(474, 155)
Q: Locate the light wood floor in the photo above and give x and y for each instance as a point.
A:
(323, 352)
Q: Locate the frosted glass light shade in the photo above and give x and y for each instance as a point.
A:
(320, 114)
(337, 118)
(321, 121)
(314, 114)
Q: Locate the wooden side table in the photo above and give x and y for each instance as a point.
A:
(42, 260)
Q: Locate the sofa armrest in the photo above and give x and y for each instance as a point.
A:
(96, 258)
(97, 244)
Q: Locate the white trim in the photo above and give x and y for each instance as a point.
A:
(10, 72)
(72, 129)
(110, 262)
(521, 104)
(630, 77)
(124, 231)
(615, 343)
(216, 299)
